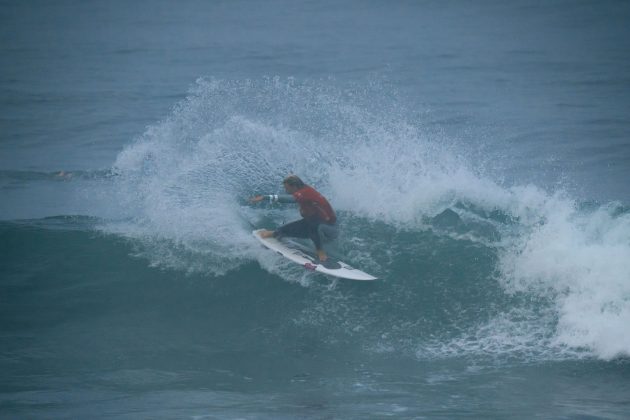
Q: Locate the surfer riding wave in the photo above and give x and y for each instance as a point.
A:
(319, 222)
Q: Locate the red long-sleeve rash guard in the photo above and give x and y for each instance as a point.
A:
(313, 205)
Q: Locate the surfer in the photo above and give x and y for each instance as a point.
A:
(318, 218)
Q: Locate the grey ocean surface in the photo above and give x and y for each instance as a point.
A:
(477, 154)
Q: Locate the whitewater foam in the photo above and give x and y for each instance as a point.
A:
(582, 260)
(182, 187)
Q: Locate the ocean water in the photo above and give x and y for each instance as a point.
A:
(477, 154)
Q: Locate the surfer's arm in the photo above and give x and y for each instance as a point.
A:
(281, 198)
(274, 198)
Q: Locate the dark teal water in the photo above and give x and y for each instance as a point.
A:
(477, 156)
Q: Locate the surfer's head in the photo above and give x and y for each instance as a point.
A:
(292, 183)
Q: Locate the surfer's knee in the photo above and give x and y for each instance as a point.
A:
(327, 232)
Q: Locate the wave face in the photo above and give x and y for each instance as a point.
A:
(487, 268)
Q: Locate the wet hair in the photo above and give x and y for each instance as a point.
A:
(294, 181)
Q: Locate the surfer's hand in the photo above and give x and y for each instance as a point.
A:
(257, 199)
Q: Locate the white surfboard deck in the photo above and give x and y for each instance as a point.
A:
(294, 252)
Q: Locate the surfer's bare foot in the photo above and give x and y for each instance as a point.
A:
(321, 254)
(266, 234)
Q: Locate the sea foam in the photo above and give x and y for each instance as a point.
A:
(182, 188)
(581, 259)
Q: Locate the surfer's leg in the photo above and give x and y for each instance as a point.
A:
(327, 232)
(303, 229)
(314, 234)
(297, 229)
(324, 233)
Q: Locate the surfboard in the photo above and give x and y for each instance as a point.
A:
(300, 255)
